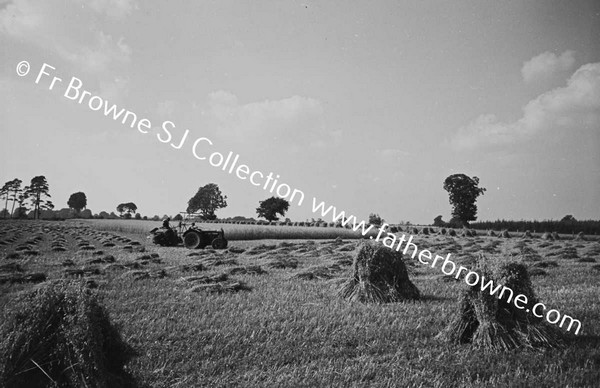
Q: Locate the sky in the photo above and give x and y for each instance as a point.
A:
(365, 105)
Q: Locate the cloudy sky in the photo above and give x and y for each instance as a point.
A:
(366, 105)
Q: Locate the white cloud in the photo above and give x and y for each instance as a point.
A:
(115, 9)
(573, 107)
(221, 97)
(290, 119)
(80, 42)
(113, 89)
(99, 56)
(20, 17)
(547, 64)
(166, 109)
(393, 153)
(261, 116)
(322, 141)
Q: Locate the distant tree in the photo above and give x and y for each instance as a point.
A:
(20, 212)
(207, 200)
(177, 217)
(131, 208)
(588, 227)
(10, 191)
(463, 192)
(126, 209)
(15, 191)
(270, 207)
(4, 193)
(47, 205)
(21, 208)
(103, 215)
(374, 219)
(437, 221)
(568, 219)
(138, 216)
(456, 222)
(77, 201)
(37, 190)
(4, 213)
(341, 222)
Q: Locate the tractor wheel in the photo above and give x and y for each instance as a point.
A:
(191, 240)
(219, 243)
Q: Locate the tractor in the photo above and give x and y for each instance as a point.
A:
(189, 234)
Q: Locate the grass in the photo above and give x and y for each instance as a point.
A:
(285, 330)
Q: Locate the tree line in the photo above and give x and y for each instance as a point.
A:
(463, 192)
(36, 194)
(567, 225)
(35, 197)
(462, 189)
(208, 199)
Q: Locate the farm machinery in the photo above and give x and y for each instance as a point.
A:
(187, 233)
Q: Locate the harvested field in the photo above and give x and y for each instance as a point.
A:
(267, 312)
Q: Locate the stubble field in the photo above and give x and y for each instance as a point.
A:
(266, 312)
